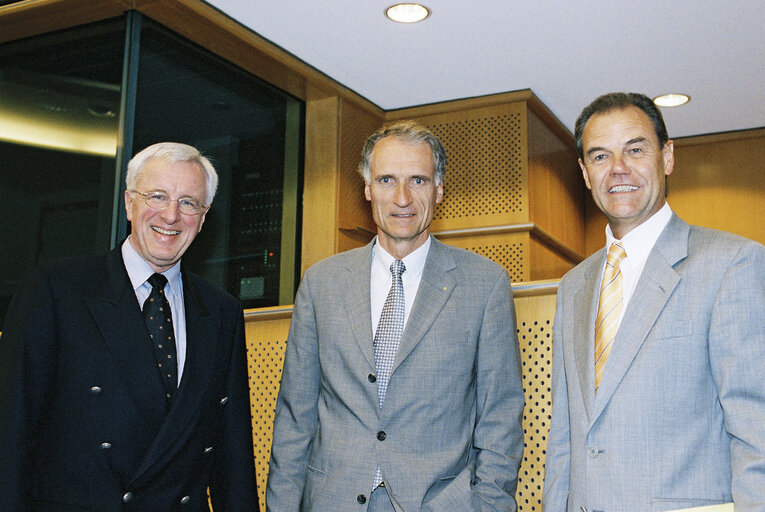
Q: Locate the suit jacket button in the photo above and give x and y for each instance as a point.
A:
(361, 499)
(127, 497)
(106, 446)
(95, 390)
(371, 377)
(381, 436)
(185, 500)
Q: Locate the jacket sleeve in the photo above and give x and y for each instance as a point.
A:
(296, 416)
(27, 365)
(737, 352)
(558, 456)
(233, 486)
(498, 434)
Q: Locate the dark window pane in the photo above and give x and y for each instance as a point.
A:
(253, 135)
(59, 106)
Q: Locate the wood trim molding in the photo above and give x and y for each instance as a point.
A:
(696, 140)
(530, 289)
(272, 313)
(459, 105)
(535, 288)
(34, 17)
(534, 230)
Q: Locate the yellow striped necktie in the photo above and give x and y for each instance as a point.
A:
(609, 308)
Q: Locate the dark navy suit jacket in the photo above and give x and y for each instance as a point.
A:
(83, 425)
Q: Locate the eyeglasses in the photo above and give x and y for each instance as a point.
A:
(159, 201)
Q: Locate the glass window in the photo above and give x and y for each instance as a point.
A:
(59, 106)
(61, 134)
(252, 133)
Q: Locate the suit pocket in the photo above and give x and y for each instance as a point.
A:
(315, 471)
(665, 504)
(675, 329)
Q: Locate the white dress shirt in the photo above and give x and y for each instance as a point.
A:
(381, 279)
(139, 271)
(638, 244)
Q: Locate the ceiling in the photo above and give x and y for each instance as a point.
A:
(567, 53)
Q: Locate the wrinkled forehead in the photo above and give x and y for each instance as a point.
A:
(619, 124)
(164, 174)
(395, 154)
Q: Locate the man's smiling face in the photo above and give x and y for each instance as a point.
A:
(625, 167)
(161, 237)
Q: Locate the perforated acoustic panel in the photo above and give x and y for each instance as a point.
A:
(508, 249)
(535, 318)
(266, 341)
(486, 182)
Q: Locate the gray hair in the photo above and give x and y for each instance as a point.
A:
(173, 152)
(405, 131)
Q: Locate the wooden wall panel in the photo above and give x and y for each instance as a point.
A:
(320, 182)
(556, 188)
(535, 314)
(266, 331)
(511, 250)
(354, 212)
(719, 182)
(486, 177)
(509, 170)
(546, 262)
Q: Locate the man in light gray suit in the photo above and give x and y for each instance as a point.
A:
(666, 410)
(433, 426)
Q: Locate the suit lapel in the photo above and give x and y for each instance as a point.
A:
(118, 317)
(436, 285)
(654, 287)
(584, 312)
(202, 330)
(356, 296)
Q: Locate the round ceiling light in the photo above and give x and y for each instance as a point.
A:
(407, 13)
(671, 100)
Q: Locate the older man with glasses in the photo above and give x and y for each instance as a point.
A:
(123, 378)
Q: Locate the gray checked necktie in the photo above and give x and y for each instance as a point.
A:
(388, 336)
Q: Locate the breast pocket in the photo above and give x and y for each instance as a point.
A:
(667, 504)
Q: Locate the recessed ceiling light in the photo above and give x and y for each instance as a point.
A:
(407, 13)
(671, 100)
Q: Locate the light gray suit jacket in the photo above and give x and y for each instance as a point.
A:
(679, 418)
(453, 439)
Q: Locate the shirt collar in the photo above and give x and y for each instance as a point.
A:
(139, 270)
(641, 239)
(414, 261)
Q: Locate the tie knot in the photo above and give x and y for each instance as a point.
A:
(157, 281)
(397, 268)
(616, 253)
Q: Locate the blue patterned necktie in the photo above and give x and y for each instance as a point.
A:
(388, 336)
(159, 322)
